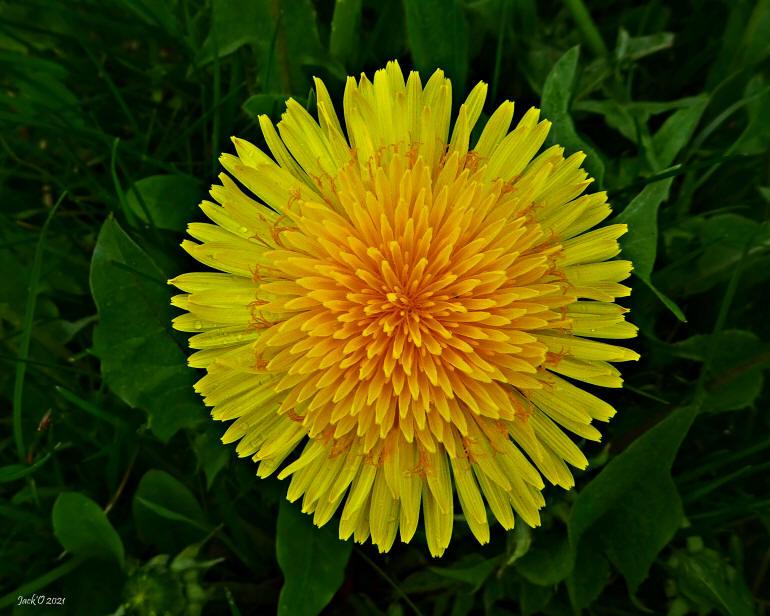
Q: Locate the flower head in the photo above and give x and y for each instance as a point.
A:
(404, 306)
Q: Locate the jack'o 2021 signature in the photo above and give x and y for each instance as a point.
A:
(36, 599)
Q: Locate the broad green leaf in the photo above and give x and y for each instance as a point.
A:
(345, 26)
(624, 117)
(533, 598)
(556, 101)
(234, 24)
(631, 509)
(637, 47)
(313, 562)
(756, 135)
(134, 330)
(709, 582)
(735, 371)
(518, 544)
(640, 244)
(733, 231)
(165, 201)
(756, 39)
(548, 561)
(284, 34)
(211, 453)
(589, 576)
(676, 132)
(746, 40)
(83, 529)
(719, 242)
(438, 38)
(166, 513)
(618, 116)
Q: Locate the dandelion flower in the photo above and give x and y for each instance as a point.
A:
(407, 309)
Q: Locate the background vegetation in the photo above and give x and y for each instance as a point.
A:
(115, 493)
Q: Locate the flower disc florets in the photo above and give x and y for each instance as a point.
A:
(406, 306)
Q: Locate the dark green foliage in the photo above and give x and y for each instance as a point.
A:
(557, 94)
(438, 38)
(166, 513)
(630, 511)
(83, 529)
(134, 330)
(115, 492)
(313, 562)
(149, 198)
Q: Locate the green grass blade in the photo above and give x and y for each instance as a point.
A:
(26, 334)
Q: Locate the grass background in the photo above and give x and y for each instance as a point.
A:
(115, 494)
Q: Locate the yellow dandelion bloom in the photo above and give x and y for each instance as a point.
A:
(404, 307)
